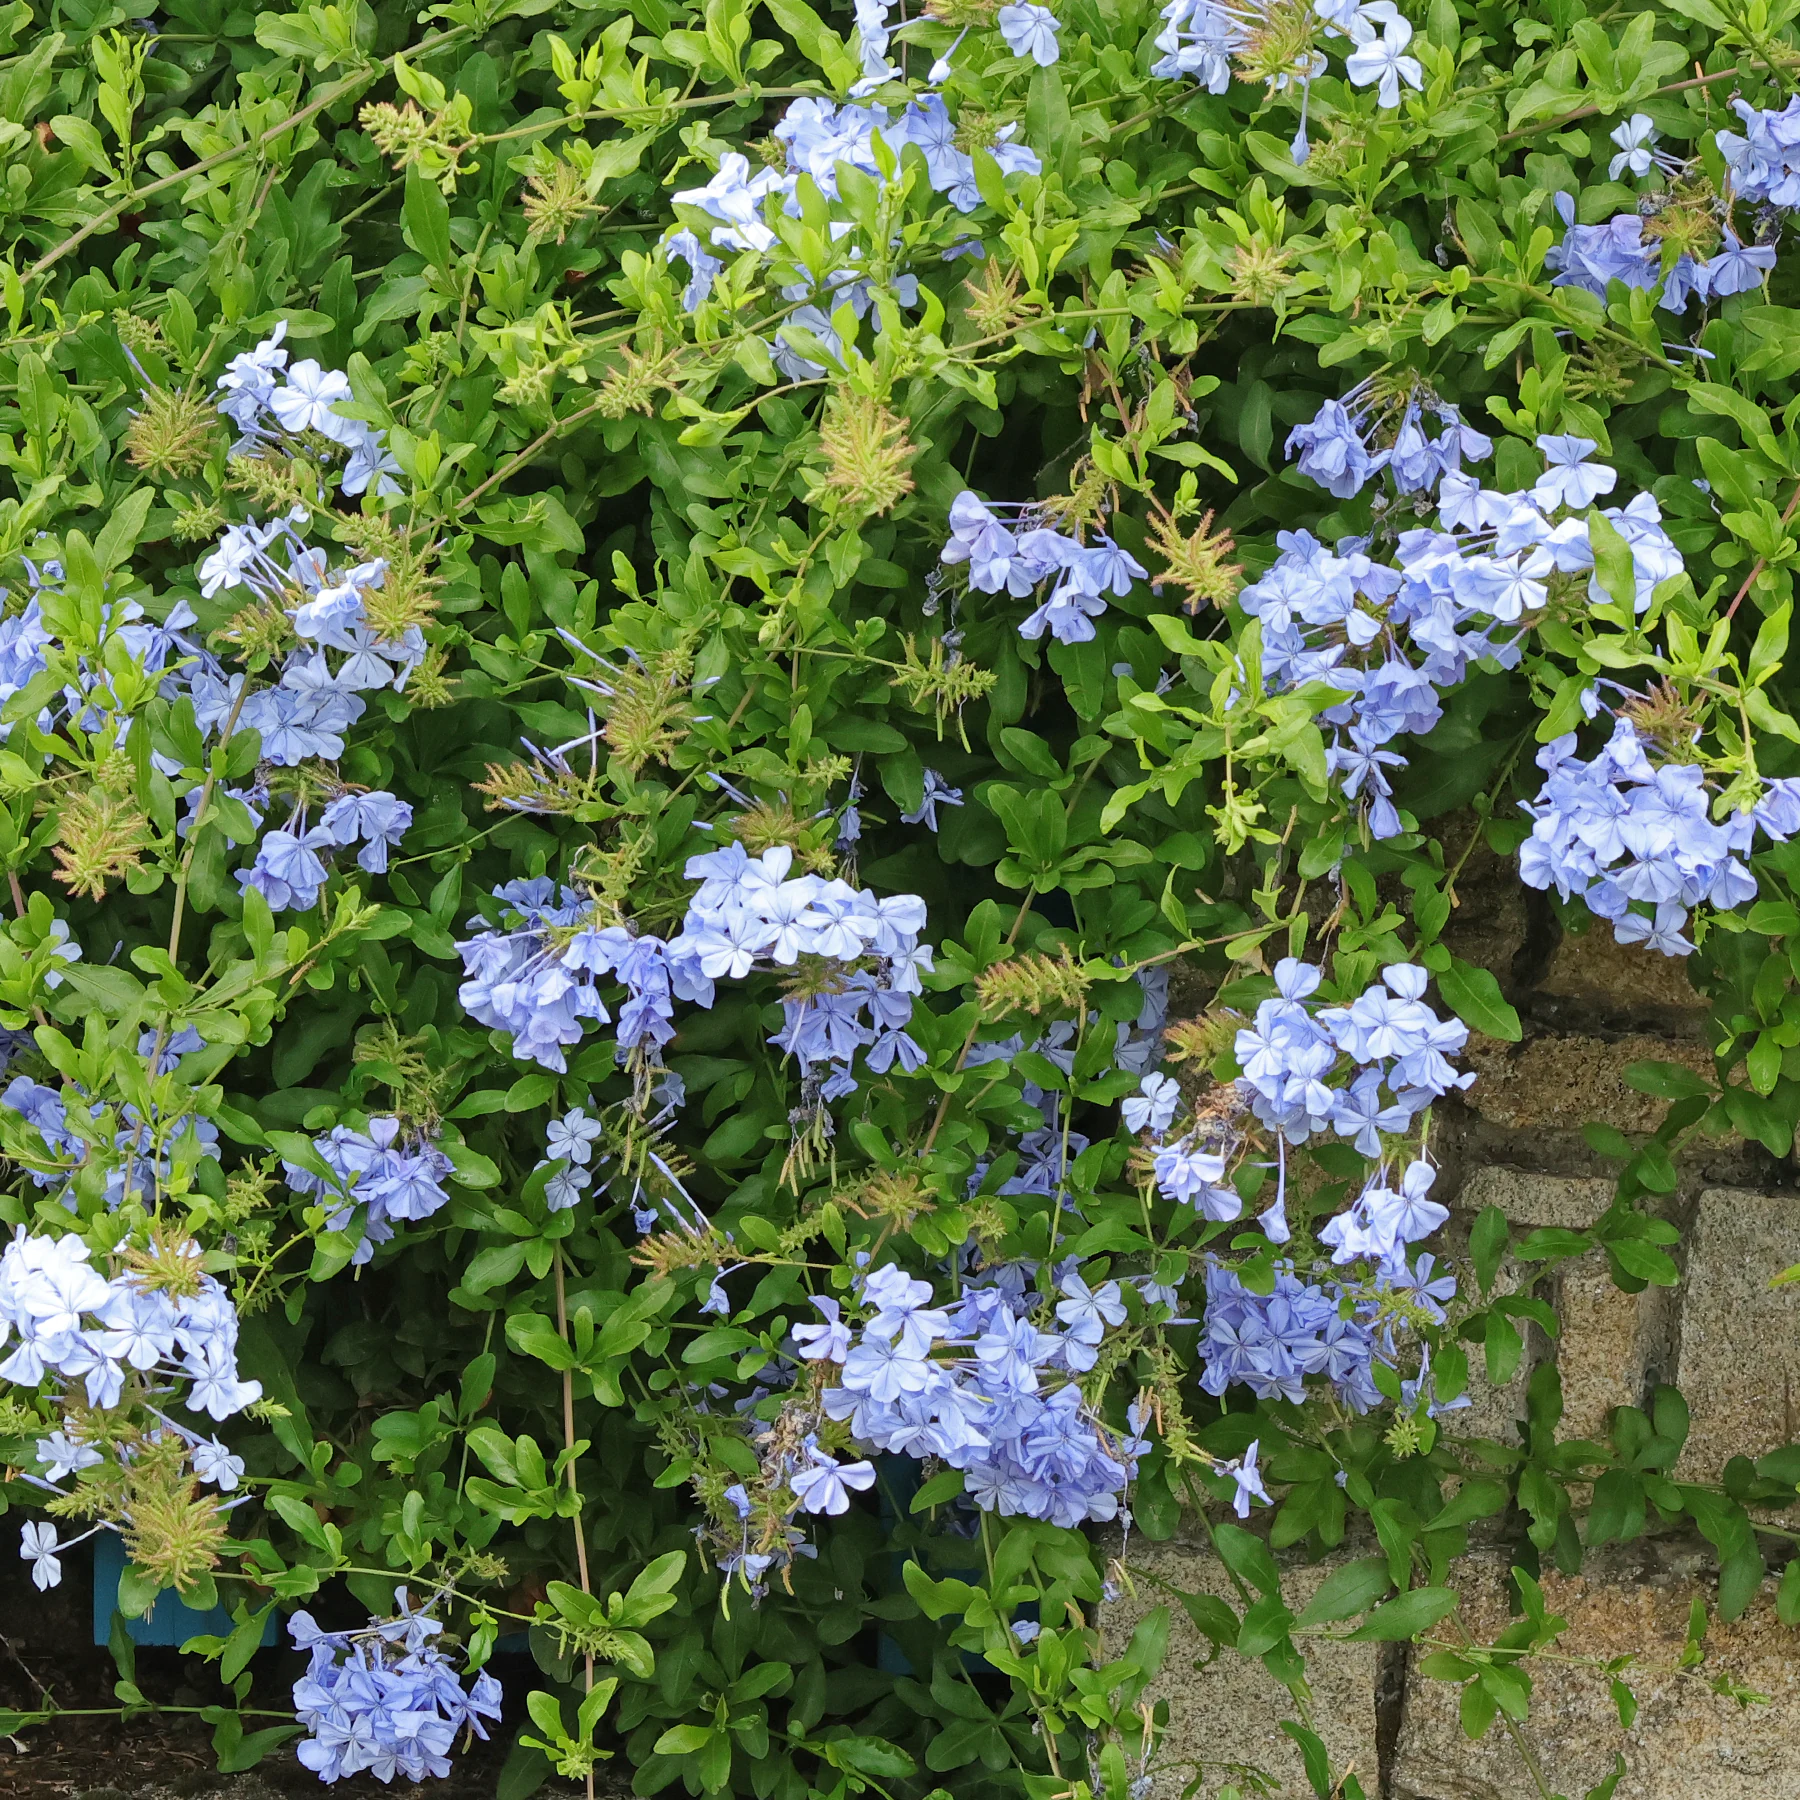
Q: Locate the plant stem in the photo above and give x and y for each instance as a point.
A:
(1582, 112)
(568, 1408)
(1762, 562)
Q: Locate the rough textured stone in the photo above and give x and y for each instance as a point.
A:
(1612, 1344)
(1593, 967)
(1605, 1347)
(1562, 1081)
(1739, 1366)
(1686, 1743)
(1227, 1714)
(1532, 1199)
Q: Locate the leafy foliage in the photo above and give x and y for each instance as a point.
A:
(462, 469)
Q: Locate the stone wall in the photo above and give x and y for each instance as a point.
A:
(1723, 1336)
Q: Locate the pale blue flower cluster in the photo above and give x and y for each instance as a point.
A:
(820, 137)
(1384, 1219)
(1270, 1343)
(1387, 1038)
(1636, 842)
(1361, 1071)
(24, 639)
(1763, 166)
(314, 701)
(289, 870)
(385, 1700)
(87, 702)
(305, 714)
(538, 978)
(1591, 256)
(1394, 1050)
(533, 974)
(272, 404)
(1456, 594)
(987, 1384)
(1349, 441)
(1018, 558)
(1764, 160)
(1029, 31)
(393, 1173)
(74, 1323)
(1199, 38)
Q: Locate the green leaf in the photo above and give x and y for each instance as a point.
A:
(426, 216)
(1665, 1080)
(1405, 1616)
(1264, 1626)
(942, 1487)
(1488, 1238)
(1314, 1756)
(1346, 1591)
(493, 1267)
(1771, 643)
(869, 1756)
(1248, 1558)
(684, 1740)
(1474, 996)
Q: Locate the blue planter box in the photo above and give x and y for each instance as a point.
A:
(169, 1622)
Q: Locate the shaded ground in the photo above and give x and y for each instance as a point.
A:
(47, 1650)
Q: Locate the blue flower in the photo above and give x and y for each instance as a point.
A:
(1153, 1106)
(385, 1700)
(1031, 30)
(937, 792)
(377, 820)
(1636, 139)
(1764, 162)
(824, 1484)
(393, 1174)
(829, 1342)
(1571, 480)
(1248, 1479)
(287, 872)
(1637, 843)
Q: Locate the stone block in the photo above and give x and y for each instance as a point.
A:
(1610, 1342)
(1530, 1199)
(1739, 1358)
(1605, 1348)
(1561, 1081)
(1686, 1743)
(1488, 925)
(1594, 968)
(1226, 1714)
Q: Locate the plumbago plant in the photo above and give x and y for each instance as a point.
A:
(738, 741)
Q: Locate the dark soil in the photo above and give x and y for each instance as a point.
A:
(47, 1654)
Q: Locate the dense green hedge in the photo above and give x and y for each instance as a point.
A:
(472, 478)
